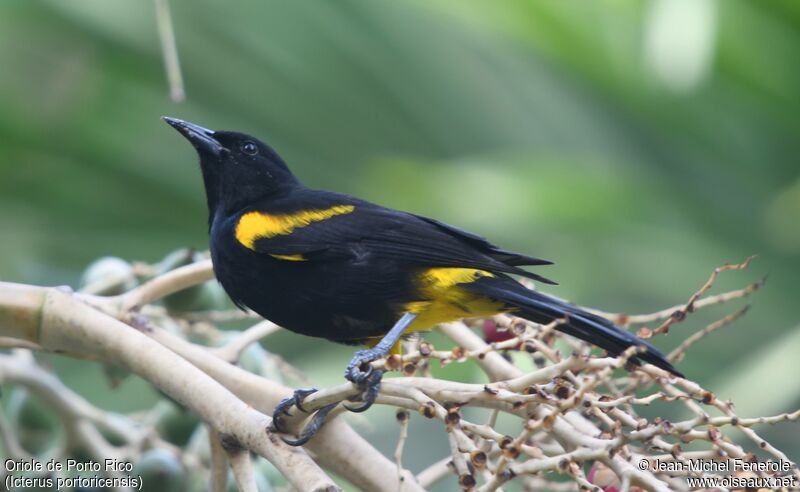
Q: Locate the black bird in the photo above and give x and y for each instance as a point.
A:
(329, 265)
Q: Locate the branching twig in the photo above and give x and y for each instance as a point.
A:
(680, 314)
(572, 409)
(62, 323)
(678, 354)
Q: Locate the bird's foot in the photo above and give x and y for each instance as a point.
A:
(313, 427)
(361, 372)
(296, 400)
(369, 393)
(282, 409)
(360, 368)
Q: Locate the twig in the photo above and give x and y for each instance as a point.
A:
(680, 314)
(571, 408)
(9, 342)
(240, 462)
(233, 349)
(20, 368)
(435, 472)
(10, 442)
(217, 316)
(562, 429)
(465, 478)
(678, 354)
(169, 283)
(403, 418)
(170, 51)
(219, 462)
(336, 447)
(67, 324)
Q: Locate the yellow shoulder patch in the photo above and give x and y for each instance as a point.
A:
(253, 226)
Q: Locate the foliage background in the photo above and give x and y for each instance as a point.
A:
(637, 144)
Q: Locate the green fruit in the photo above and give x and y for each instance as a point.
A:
(270, 474)
(176, 424)
(257, 360)
(203, 297)
(252, 358)
(175, 259)
(160, 470)
(34, 423)
(262, 484)
(108, 275)
(115, 374)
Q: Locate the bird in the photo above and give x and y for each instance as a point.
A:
(333, 266)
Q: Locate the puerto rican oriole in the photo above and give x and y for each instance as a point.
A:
(329, 265)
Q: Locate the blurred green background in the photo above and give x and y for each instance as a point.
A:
(637, 144)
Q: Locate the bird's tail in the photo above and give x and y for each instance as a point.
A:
(541, 308)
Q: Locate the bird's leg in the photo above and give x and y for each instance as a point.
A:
(361, 372)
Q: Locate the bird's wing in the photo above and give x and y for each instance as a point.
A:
(369, 231)
(484, 246)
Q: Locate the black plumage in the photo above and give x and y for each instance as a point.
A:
(333, 266)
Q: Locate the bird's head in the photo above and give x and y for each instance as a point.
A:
(238, 169)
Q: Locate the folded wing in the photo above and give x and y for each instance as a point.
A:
(373, 232)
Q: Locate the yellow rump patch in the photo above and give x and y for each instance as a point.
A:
(447, 301)
(289, 257)
(253, 226)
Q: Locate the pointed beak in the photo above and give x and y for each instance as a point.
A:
(201, 138)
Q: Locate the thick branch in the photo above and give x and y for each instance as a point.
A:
(337, 446)
(58, 322)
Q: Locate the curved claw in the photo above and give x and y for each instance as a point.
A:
(359, 408)
(300, 396)
(282, 408)
(371, 387)
(354, 373)
(313, 427)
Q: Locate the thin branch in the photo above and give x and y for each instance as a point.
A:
(169, 283)
(10, 442)
(403, 418)
(678, 354)
(219, 462)
(169, 49)
(233, 349)
(241, 464)
(572, 409)
(435, 472)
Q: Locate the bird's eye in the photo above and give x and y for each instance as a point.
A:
(249, 148)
